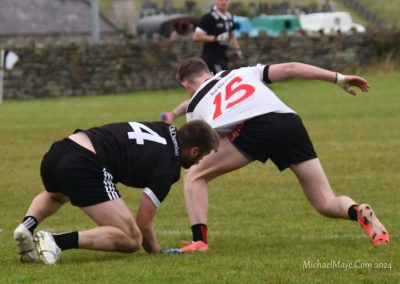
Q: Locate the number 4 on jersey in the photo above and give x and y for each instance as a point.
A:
(138, 134)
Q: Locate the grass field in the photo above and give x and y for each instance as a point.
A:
(262, 229)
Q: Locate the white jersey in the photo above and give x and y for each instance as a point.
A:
(231, 97)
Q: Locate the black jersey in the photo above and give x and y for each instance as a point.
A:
(214, 23)
(139, 154)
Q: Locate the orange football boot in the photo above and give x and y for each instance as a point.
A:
(195, 246)
(367, 219)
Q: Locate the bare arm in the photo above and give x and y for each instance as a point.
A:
(144, 219)
(282, 71)
(234, 42)
(203, 37)
(179, 110)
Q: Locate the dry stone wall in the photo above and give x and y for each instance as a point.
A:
(75, 69)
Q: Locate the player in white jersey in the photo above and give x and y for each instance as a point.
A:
(257, 125)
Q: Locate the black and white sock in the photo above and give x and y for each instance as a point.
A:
(30, 223)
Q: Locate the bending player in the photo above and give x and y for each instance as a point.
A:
(84, 168)
(257, 125)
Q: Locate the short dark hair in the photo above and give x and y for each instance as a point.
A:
(191, 66)
(198, 133)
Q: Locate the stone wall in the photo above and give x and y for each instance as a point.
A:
(52, 70)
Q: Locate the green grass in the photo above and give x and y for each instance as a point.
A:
(262, 229)
(388, 11)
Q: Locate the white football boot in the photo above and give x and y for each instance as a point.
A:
(46, 247)
(25, 245)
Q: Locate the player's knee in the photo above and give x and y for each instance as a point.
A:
(194, 174)
(132, 239)
(130, 244)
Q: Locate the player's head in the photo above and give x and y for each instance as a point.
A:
(191, 72)
(197, 139)
(191, 68)
(222, 5)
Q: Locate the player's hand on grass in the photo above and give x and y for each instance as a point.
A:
(348, 81)
(171, 251)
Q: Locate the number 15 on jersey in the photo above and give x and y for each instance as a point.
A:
(222, 103)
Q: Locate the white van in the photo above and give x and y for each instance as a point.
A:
(329, 23)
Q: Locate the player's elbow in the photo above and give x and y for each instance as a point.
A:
(197, 36)
(290, 69)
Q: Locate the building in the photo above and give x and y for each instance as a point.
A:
(40, 20)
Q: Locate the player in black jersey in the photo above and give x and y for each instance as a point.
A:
(84, 169)
(216, 31)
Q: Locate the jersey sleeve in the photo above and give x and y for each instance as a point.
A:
(205, 24)
(265, 75)
(158, 190)
(261, 72)
(165, 172)
(258, 71)
(157, 193)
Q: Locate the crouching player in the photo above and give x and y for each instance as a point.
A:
(84, 168)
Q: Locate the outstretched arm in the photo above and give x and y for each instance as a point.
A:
(282, 71)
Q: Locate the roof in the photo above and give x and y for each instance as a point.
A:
(40, 17)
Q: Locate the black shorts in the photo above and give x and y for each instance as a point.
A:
(77, 172)
(280, 137)
(215, 63)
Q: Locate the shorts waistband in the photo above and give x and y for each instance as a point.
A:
(77, 146)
